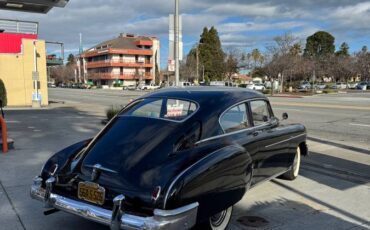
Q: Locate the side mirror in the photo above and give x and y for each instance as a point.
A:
(285, 116)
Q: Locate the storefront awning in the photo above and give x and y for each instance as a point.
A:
(34, 6)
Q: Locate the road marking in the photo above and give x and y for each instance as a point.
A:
(362, 125)
(13, 122)
(317, 105)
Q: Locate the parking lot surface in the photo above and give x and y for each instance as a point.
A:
(332, 192)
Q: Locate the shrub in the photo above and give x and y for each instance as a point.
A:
(267, 91)
(111, 112)
(3, 97)
(327, 91)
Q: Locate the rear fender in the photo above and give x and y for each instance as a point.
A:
(216, 182)
(62, 158)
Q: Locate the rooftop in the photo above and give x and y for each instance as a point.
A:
(124, 41)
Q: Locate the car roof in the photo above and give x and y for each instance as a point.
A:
(206, 94)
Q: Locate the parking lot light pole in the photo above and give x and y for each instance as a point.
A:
(177, 47)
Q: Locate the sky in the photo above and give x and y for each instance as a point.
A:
(242, 24)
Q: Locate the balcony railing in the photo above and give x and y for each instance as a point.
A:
(19, 27)
(112, 76)
(119, 63)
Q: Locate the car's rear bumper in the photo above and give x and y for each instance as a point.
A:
(181, 218)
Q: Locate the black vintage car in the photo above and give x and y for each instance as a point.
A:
(173, 159)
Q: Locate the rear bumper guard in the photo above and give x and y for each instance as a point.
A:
(180, 218)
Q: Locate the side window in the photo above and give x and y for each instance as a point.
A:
(235, 119)
(150, 109)
(260, 112)
(178, 109)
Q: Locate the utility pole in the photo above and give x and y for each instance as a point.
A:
(177, 47)
(197, 54)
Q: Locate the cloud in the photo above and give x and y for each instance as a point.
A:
(241, 23)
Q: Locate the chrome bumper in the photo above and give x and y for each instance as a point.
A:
(181, 218)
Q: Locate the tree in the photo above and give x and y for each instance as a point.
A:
(3, 96)
(320, 44)
(257, 58)
(343, 50)
(211, 54)
(362, 63)
(71, 60)
(231, 63)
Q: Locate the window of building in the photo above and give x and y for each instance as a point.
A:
(260, 112)
(235, 119)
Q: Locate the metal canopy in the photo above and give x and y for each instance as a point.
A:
(33, 6)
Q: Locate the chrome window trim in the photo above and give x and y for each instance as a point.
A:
(159, 118)
(239, 103)
(238, 131)
(181, 174)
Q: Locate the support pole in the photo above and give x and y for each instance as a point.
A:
(177, 47)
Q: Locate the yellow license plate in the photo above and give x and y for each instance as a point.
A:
(91, 192)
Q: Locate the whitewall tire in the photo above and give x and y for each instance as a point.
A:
(293, 173)
(221, 220)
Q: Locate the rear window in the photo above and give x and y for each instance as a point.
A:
(170, 109)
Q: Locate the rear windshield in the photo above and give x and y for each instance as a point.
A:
(162, 108)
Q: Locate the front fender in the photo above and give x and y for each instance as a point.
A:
(216, 182)
(62, 158)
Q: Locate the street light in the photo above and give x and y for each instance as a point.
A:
(177, 47)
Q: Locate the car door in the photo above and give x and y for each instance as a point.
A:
(237, 124)
(272, 154)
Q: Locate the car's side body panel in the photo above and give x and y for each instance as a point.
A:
(216, 182)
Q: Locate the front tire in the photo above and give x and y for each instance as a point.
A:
(293, 173)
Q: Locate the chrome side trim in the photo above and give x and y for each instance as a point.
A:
(231, 133)
(291, 138)
(181, 218)
(182, 173)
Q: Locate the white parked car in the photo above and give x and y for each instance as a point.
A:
(149, 87)
(352, 85)
(256, 86)
(339, 85)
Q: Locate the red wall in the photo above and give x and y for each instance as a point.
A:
(12, 43)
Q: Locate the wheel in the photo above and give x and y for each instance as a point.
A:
(220, 221)
(293, 173)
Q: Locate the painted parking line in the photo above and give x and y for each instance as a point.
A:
(362, 125)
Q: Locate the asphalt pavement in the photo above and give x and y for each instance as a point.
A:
(332, 191)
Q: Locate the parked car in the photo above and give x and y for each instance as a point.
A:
(148, 87)
(173, 159)
(304, 86)
(184, 84)
(352, 85)
(363, 85)
(130, 87)
(320, 86)
(52, 85)
(256, 86)
(339, 85)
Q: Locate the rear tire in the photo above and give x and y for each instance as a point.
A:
(220, 221)
(293, 173)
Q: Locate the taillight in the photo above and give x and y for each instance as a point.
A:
(156, 193)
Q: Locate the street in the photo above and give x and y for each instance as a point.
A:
(332, 191)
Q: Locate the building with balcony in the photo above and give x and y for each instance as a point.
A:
(125, 60)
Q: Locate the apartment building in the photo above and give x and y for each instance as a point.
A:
(123, 61)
